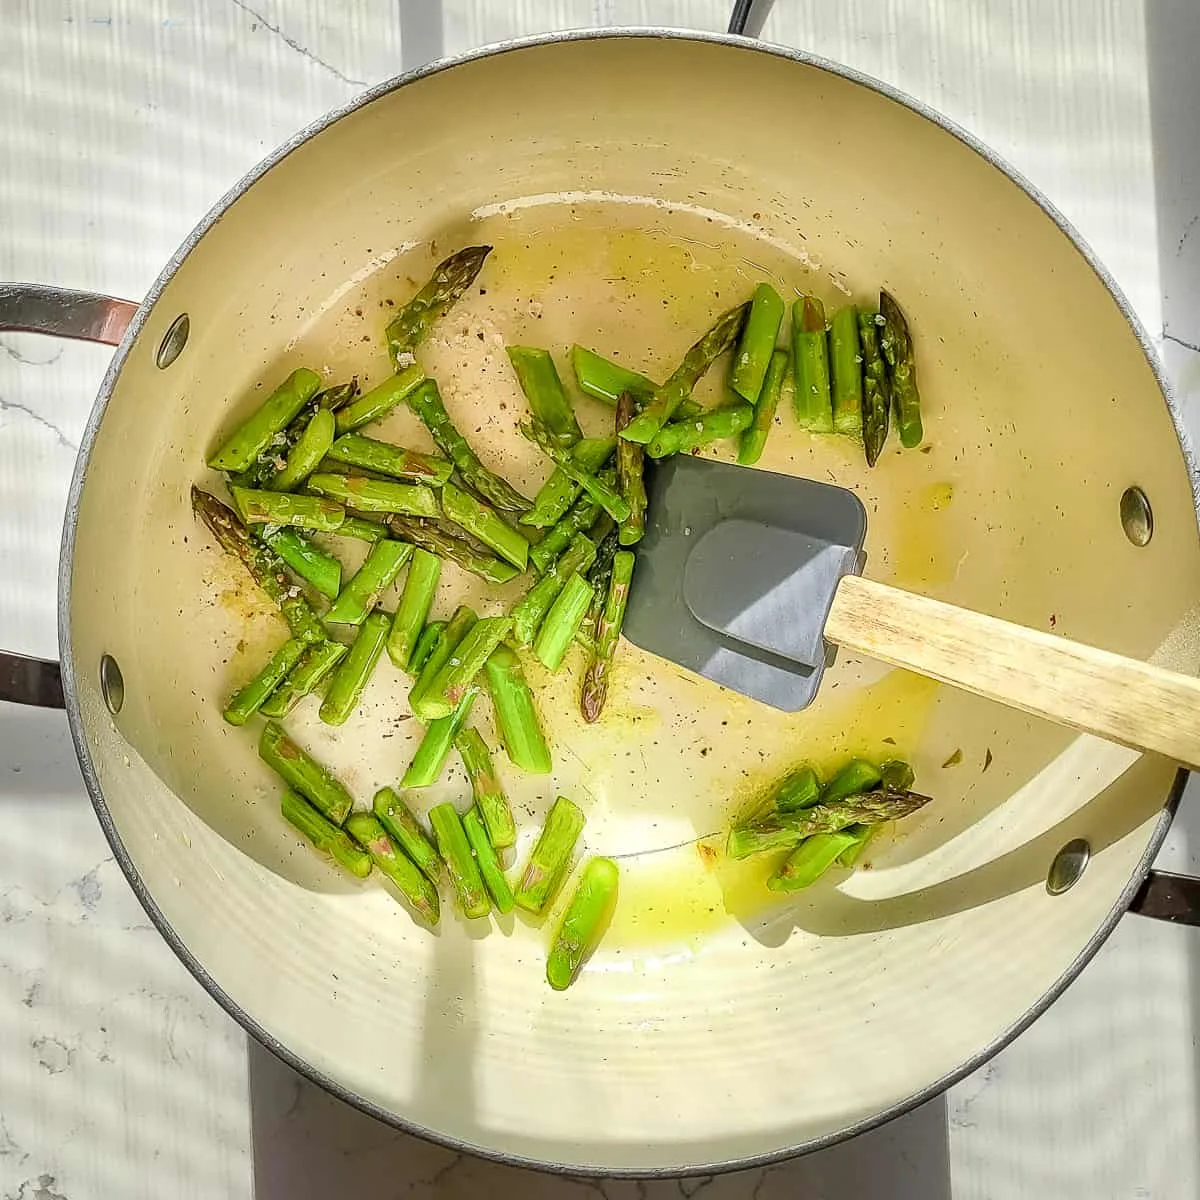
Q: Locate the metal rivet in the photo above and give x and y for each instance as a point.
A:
(174, 340)
(1137, 519)
(1068, 865)
(112, 685)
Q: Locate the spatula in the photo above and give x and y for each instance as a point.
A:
(751, 578)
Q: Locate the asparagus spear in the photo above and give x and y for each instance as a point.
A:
(437, 540)
(267, 422)
(355, 450)
(896, 344)
(308, 451)
(603, 493)
(661, 408)
(544, 390)
(876, 394)
(451, 278)
(783, 830)
(457, 628)
(424, 647)
(282, 508)
(302, 772)
(530, 610)
(559, 492)
(460, 862)
(896, 775)
(550, 860)
(309, 561)
(608, 631)
(426, 402)
(457, 674)
(584, 922)
(351, 675)
(755, 437)
(483, 523)
(324, 834)
(801, 789)
(380, 400)
(857, 776)
(810, 860)
(336, 396)
(413, 609)
(366, 830)
(367, 584)
(490, 799)
(317, 661)
(563, 621)
(516, 716)
(845, 364)
(431, 754)
(265, 566)
(377, 495)
(757, 343)
(362, 529)
(488, 862)
(579, 518)
(813, 403)
(606, 380)
(404, 828)
(631, 460)
(679, 436)
(247, 700)
(863, 836)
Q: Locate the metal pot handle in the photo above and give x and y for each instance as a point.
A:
(86, 317)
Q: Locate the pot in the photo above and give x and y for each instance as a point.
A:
(710, 1031)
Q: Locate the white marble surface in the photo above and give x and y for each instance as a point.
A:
(123, 122)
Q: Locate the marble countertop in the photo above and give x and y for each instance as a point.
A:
(124, 121)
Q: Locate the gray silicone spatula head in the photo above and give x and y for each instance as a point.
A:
(737, 572)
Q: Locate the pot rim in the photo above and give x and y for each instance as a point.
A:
(66, 562)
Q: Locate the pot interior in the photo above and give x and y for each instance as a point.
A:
(710, 1026)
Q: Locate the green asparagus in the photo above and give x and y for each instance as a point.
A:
(608, 632)
(801, 789)
(845, 367)
(757, 343)
(424, 647)
(366, 830)
(810, 860)
(661, 408)
(457, 628)
(404, 828)
(781, 831)
(680, 436)
(896, 775)
(550, 860)
(355, 450)
(458, 673)
(559, 491)
(857, 776)
(367, 584)
(603, 493)
(584, 922)
(351, 675)
(267, 422)
(863, 836)
(631, 462)
(563, 621)
(896, 344)
(490, 799)
(755, 437)
(488, 862)
(579, 518)
(813, 401)
(308, 451)
(307, 560)
(380, 400)
(283, 508)
(516, 716)
(363, 530)
(426, 402)
(247, 700)
(438, 539)
(530, 610)
(377, 495)
(451, 278)
(544, 390)
(304, 678)
(431, 754)
(876, 394)
(482, 523)
(265, 566)
(324, 834)
(413, 609)
(461, 866)
(606, 380)
(302, 772)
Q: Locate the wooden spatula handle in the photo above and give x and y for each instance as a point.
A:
(1119, 699)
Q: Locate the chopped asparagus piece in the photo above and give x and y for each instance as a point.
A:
(302, 772)
(282, 508)
(579, 518)
(366, 830)
(608, 632)
(404, 828)
(367, 584)
(456, 629)
(363, 530)
(355, 450)
(896, 775)
(606, 380)
(457, 674)
(677, 437)
(877, 399)
(559, 492)
(413, 609)
(516, 715)
(631, 463)
(550, 860)
(424, 647)
(488, 862)
(801, 789)
(483, 523)
(267, 422)
(810, 860)
(303, 678)
(441, 541)
(812, 401)
(563, 621)
(431, 754)
(863, 836)
(755, 437)
(897, 348)
(247, 700)
(380, 400)
(584, 922)
(855, 777)
(324, 834)
(351, 675)
(490, 799)
(757, 343)
(377, 495)
(461, 866)
(544, 390)
(845, 363)
(450, 279)
(603, 493)
(530, 610)
(307, 560)
(308, 451)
